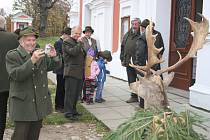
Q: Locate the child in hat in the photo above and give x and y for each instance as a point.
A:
(91, 72)
(103, 58)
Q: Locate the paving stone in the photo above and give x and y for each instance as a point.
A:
(127, 111)
(113, 124)
(124, 97)
(112, 98)
(111, 115)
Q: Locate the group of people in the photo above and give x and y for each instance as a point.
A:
(134, 47)
(80, 71)
(84, 68)
(24, 83)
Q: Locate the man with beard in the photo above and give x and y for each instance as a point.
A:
(128, 52)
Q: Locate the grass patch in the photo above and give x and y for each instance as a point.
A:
(58, 118)
(87, 117)
(47, 40)
(9, 124)
(50, 83)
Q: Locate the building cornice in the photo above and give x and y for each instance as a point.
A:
(97, 4)
(122, 1)
(16, 16)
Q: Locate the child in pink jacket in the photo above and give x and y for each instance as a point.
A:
(90, 81)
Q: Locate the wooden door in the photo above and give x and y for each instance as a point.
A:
(180, 39)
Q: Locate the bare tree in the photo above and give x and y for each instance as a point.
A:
(30, 7)
(44, 6)
(39, 10)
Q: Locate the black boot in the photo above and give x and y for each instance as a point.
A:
(141, 102)
(132, 100)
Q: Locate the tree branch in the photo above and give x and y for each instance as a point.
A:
(52, 3)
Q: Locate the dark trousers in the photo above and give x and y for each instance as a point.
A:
(60, 92)
(3, 112)
(132, 77)
(27, 130)
(73, 88)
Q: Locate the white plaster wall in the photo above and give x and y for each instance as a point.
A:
(86, 13)
(147, 9)
(99, 15)
(157, 10)
(200, 91)
(74, 19)
(101, 20)
(87, 16)
(99, 29)
(74, 13)
(108, 27)
(163, 18)
(75, 6)
(116, 69)
(206, 10)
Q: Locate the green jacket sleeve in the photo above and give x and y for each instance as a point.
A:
(54, 63)
(122, 51)
(71, 49)
(16, 70)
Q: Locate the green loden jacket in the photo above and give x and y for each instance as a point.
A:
(74, 58)
(29, 99)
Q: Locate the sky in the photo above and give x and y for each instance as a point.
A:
(7, 5)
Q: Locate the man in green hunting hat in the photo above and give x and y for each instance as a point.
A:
(28, 31)
(29, 100)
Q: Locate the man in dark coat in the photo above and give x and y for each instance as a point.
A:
(74, 61)
(141, 47)
(29, 100)
(128, 52)
(8, 41)
(142, 50)
(60, 89)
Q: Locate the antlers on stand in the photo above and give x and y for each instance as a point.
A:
(200, 32)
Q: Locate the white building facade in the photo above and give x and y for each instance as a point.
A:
(20, 20)
(200, 91)
(74, 13)
(111, 18)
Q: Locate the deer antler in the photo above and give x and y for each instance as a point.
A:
(138, 68)
(200, 32)
(152, 52)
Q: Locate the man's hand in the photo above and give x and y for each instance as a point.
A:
(53, 52)
(37, 55)
(79, 39)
